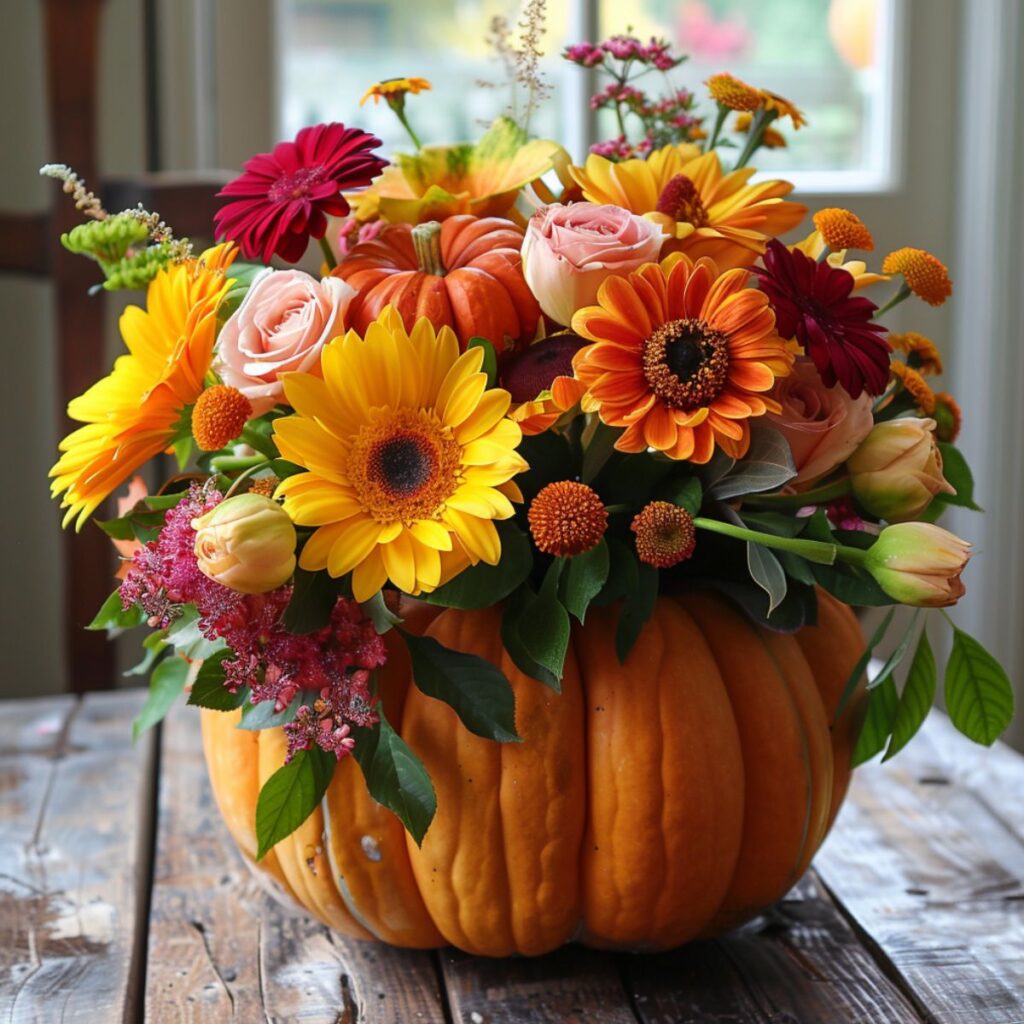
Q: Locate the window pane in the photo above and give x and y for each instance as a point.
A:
(830, 57)
(333, 49)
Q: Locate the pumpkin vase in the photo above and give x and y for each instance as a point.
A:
(649, 803)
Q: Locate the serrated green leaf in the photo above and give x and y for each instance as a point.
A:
(636, 610)
(290, 796)
(583, 578)
(395, 776)
(862, 663)
(916, 699)
(979, 695)
(208, 689)
(878, 722)
(112, 616)
(475, 689)
(483, 585)
(165, 684)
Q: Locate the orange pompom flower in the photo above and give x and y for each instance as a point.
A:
(734, 93)
(922, 353)
(567, 518)
(683, 358)
(926, 275)
(665, 534)
(842, 229)
(948, 417)
(218, 417)
(915, 385)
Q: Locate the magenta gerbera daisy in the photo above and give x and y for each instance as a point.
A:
(812, 304)
(284, 197)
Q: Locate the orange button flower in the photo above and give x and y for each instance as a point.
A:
(682, 358)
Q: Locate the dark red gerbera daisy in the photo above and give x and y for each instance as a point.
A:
(812, 304)
(283, 198)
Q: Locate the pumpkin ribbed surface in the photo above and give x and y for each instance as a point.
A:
(650, 803)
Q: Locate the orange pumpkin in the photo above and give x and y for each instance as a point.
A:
(648, 804)
(464, 272)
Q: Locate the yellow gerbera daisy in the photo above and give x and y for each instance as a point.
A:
(132, 414)
(392, 89)
(703, 210)
(409, 458)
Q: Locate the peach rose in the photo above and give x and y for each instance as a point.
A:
(284, 321)
(823, 425)
(569, 251)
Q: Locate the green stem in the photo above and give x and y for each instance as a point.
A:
(761, 121)
(325, 248)
(813, 550)
(240, 479)
(815, 496)
(902, 292)
(723, 113)
(229, 463)
(400, 114)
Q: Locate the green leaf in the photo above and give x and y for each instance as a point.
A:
(636, 610)
(184, 634)
(483, 585)
(767, 572)
(777, 523)
(513, 643)
(598, 450)
(623, 574)
(898, 653)
(182, 451)
(395, 776)
(166, 682)
(543, 628)
(687, 494)
(209, 691)
(263, 715)
(878, 722)
(382, 617)
(313, 599)
(956, 470)
(862, 663)
(916, 699)
(979, 696)
(550, 459)
(290, 796)
(630, 480)
(154, 645)
(476, 690)
(767, 465)
(242, 275)
(797, 568)
(112, 616)
(144, 520)
(490, 363)
(583, 578)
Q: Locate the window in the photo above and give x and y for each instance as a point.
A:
(834, 58)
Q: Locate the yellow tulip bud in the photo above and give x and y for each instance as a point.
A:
(897, 469)
(919, 564)
(246, 543)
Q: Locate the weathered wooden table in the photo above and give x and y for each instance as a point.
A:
(122, 898)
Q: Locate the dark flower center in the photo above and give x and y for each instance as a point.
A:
(686, 363)
(403, 464)
(681, 201)
(295, 186)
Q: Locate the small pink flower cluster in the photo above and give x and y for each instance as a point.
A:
(620, 148)
(655, 53)
(334, 661)
(351, 232)
(614, 94)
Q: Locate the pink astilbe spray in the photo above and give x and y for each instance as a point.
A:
(335, 662)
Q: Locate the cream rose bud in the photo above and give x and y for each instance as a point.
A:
(281, 326)
(919, 564)
(569, 251)
(823, 425)
(246, 543)
(897, 471)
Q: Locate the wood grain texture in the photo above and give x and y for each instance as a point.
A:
(75, 815)
(221, 949)
(573, 985)
(929, 862)
(803, 964)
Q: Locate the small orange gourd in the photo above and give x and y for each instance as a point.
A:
(464, 272)
(649, 803)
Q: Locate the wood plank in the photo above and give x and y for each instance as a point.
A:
(573, 985)
(935, 879)
(75, 824)
(801, 964)
(221, 949)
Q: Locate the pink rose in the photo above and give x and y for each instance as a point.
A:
(822, 425)
(284, 321)
(569, 251)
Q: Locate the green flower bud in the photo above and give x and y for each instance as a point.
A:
(919, 564)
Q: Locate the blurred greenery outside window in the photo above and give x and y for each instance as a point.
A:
(834, 58)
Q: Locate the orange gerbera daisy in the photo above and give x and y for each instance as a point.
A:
(683, 358)
(703, 210)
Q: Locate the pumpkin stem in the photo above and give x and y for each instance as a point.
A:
(426, 240)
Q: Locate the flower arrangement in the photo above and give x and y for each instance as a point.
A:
(522, 383)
